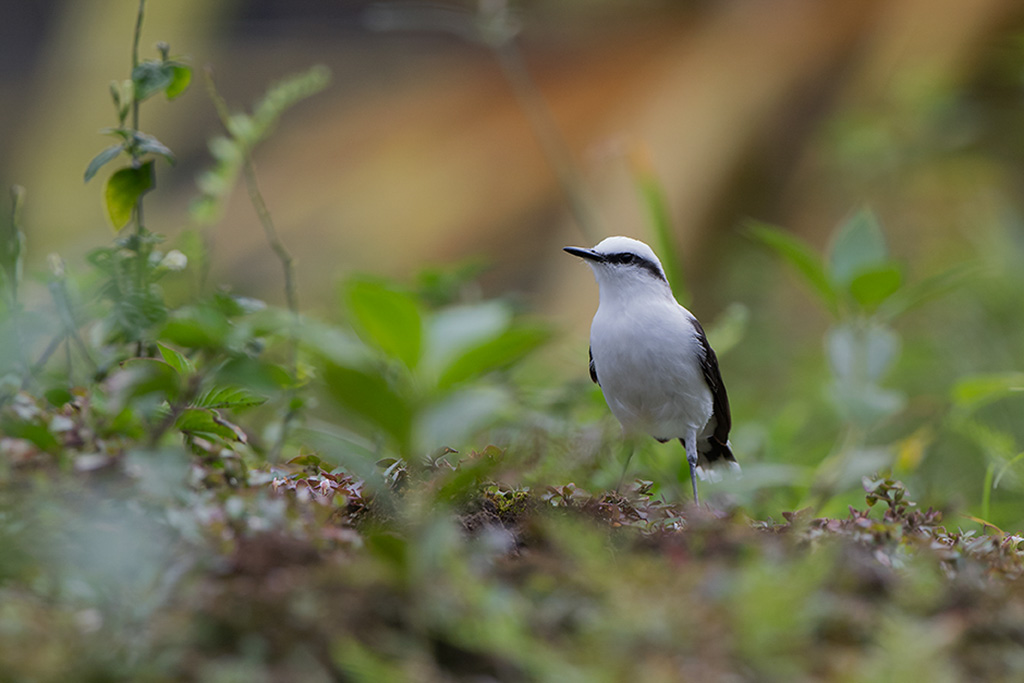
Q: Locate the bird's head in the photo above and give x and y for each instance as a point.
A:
(623, 264)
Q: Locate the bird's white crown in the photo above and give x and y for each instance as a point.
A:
(620, 244)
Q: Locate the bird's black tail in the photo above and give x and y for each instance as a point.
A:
(718, 451)
(714, 456)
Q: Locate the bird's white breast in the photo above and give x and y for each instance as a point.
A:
(647, 358)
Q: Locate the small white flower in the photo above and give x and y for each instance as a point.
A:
(174, 260)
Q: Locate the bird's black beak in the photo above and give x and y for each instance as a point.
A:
(588, 254)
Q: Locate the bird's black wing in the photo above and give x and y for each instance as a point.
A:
(720, 399)
(593, 368)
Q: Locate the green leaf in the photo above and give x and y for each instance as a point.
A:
(371, 396)
(101, 159)
(181, 76)
(148, 144)
(975, 391)
(386, 318)
(655, 199)
(151, 77)
(872, 287)
(197, 327)
(866, 404)
(229, 397)
(148, 376)
(306, 460)
(34, 432)
(202, 422)
(123, 191)
(857, 247)
(915, 294)
(729, 328)
(494, 354)
(452, 330)
(861, 352)
(181, 364)
(801, 257)
(452, 420)
(58, 396)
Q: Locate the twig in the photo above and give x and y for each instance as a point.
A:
(59, 293)
(15, 239)
(135, 59)
(493, 27)
(545, 129)
(276, 245)
(141, 252)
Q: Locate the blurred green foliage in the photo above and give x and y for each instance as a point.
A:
(218, 489)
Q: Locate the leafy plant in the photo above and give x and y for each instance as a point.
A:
(132, 266)
(864, 290)
(419, 378)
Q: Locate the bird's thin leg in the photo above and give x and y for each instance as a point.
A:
(625, 468)
(691, 457)
(693, 481)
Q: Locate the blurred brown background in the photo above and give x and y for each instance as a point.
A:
(790, 111)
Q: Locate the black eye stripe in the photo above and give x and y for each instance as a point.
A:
(629, 258)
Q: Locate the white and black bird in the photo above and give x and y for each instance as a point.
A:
(651, 358)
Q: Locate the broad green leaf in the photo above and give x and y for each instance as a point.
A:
(181, 364)
(915, 294)
(866, 404)
(801, 257)
(728, 329)
(387, 318)
(149, 144)
(123, 191)
(181, 76)
(151, 77)
(104, 157)
(200, 422)
(494, 354)
(873, 286)
(229, 397)
(452, 330)
(150, 376)
(857, 247)
(862, 352)
(306, 460)
(652, 192)
(976, 390)
(257, 373)
(58, 396)
(333, 344)
(197, 327)
(453, 420)
(38, 434)
(370, 396)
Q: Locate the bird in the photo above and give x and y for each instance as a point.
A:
(652, 360)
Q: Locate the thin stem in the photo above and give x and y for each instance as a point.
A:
(276, 245)
(986, 492)
(50, 349)
(551, 141)
(135, 59)
(175, 410)
(290, 291)
(59, 293)
(15, 239)
(287, 262)
(492, 27)
(141, 255)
